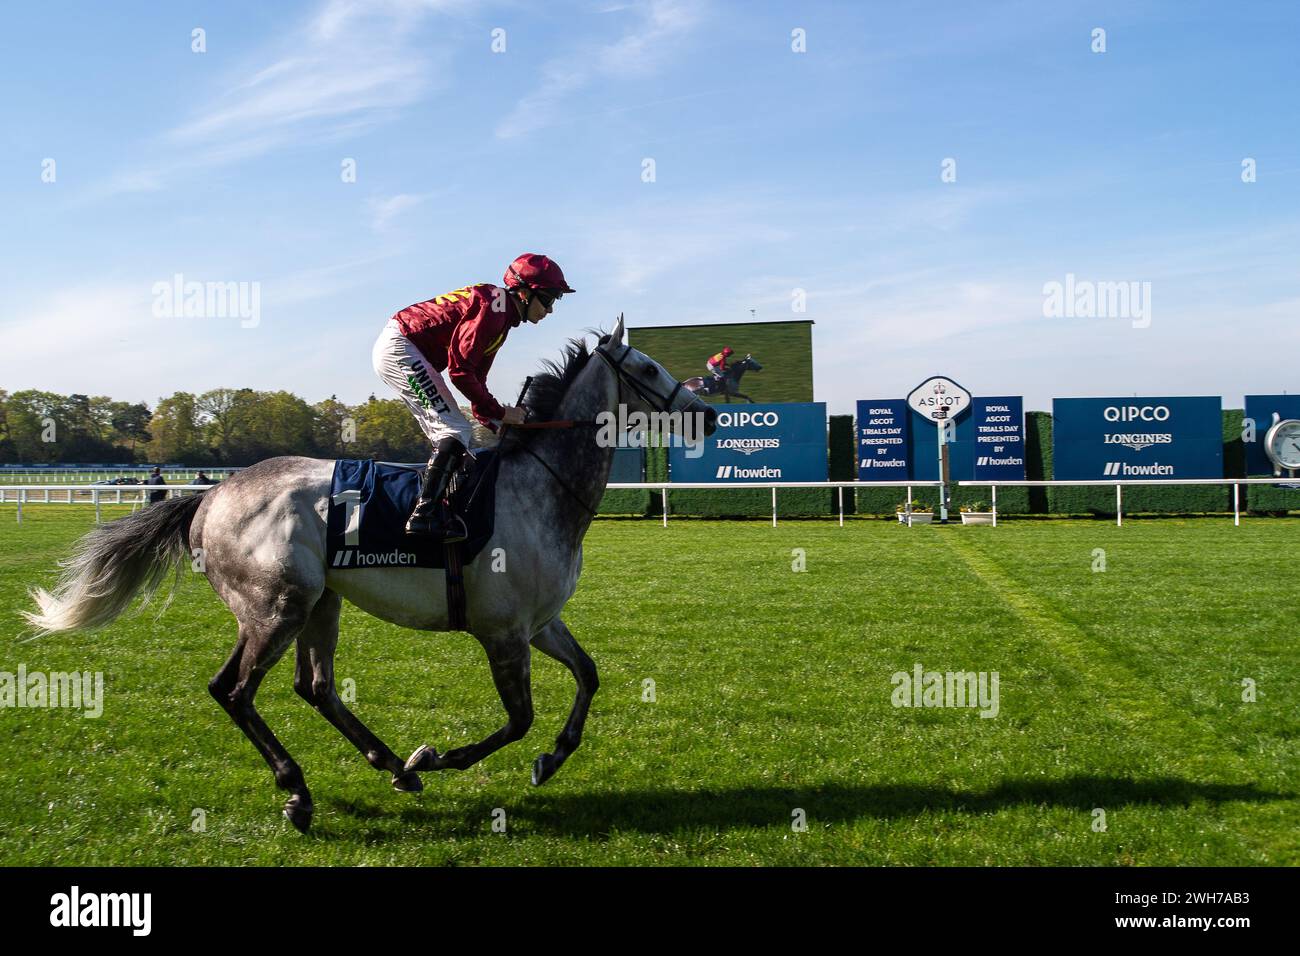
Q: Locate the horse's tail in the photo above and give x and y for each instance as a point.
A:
(114, 562)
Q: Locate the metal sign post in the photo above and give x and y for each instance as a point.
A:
(942, 420)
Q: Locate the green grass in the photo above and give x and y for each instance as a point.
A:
(1119, 690)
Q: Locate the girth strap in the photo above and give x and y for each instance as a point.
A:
(456, 611)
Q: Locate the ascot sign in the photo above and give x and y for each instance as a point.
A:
(939, 399)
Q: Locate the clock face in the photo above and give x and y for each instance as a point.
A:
(1283, 444)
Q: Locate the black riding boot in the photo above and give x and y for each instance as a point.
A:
(431, 518)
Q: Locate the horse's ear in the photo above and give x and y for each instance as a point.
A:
(617, 335)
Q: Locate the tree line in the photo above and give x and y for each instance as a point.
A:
(224, 426)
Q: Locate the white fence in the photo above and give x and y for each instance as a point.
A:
(82, 476)
(134, 495)
(137, 495)
(662, 488)
(1119, 488)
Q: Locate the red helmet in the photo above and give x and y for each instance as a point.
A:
(726, 350)
(535, 272)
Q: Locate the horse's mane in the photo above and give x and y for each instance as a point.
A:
(550, 384)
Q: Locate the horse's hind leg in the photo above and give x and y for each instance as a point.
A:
(314, 681)
(556, 641)
(509, 660)
(261, 643)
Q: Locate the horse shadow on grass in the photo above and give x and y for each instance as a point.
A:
(662, 811)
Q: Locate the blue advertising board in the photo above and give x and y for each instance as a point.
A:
(999, 435)
(761, 442)
(1261, 408)
(882, 440)
(1097, 438)
(628, 465)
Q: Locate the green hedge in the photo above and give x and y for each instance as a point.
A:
(1271, 498)
(624, 501)
(843, 461)
(656, 469)
(1038, 458)
(749, 503)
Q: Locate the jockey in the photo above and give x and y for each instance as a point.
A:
(718, 364)
(460, 331)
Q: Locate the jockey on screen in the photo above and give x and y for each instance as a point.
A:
(718, 363)
(460, 331)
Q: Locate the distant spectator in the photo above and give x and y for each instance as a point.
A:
(203, 479)
(156, 478)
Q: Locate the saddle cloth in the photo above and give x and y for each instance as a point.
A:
(370, 502)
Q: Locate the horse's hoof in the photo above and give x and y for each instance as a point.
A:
(408, 782)
(426, 758)
(544, 768)
(298, 812)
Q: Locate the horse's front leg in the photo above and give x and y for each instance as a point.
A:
(509, 660)
(555, 640)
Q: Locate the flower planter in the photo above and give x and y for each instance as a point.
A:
(918, 517)
(977, 517)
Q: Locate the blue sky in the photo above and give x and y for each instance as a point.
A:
(774, 171)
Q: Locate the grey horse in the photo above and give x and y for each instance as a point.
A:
(262, 538)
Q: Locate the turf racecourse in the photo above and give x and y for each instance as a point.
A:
(1119, 690)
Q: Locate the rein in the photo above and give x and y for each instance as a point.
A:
(623, 377)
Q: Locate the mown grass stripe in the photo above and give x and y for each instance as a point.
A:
(1128, 701)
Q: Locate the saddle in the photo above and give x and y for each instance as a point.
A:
(371, 500)
(369, 504)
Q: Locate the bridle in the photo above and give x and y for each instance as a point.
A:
(617, 366)
(624, 377)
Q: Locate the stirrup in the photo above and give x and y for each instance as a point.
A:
(453, 530)
(448, 530)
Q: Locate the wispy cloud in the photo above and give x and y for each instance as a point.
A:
(139, 356)
(351, 65)
(638, 51)
(383, 209)
(658, 239)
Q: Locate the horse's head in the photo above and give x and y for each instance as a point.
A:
(645, 386)
(751, 363)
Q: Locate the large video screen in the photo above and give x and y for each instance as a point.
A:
(780, 358)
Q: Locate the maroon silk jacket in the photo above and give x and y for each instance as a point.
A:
(461, 331)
